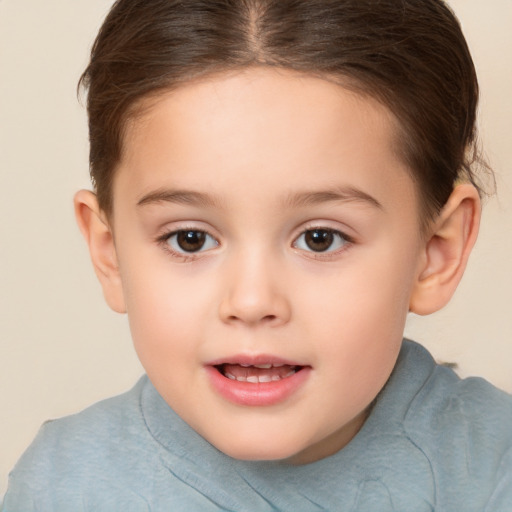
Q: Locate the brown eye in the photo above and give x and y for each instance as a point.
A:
(321, 240)
(190, 241)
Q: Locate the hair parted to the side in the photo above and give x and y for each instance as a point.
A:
(410, 55)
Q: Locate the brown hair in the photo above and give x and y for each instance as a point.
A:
(409, 54)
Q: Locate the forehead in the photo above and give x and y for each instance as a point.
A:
(278, 126)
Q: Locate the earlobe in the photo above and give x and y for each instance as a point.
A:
(96, 230)
(446, 251)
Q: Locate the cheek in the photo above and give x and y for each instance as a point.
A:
(359, 314)
(370, 288)
(165, 312)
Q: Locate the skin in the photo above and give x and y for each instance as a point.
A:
(264, 156)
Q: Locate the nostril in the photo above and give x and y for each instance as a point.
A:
(266, 318)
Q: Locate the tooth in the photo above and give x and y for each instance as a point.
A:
(278, 365)
(264, 378)
(245, 365)
(230, 376)
(275, 378)
(252, 379)
(241, 379)
(263, 366)
(289, 374)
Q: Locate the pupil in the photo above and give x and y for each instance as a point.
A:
(191, 241)
(319, 240)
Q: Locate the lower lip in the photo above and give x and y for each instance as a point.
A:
(257, 394)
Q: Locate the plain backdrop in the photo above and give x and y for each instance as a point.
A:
(60, 347)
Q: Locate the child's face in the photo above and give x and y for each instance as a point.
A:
(264, 218)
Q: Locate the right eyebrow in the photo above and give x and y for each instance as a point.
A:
(177, 196)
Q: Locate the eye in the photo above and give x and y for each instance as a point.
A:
(321, 240)
(190, 241)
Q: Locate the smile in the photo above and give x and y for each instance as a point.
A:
(257, 383)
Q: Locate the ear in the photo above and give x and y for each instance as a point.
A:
(96, 230)
(446, 251)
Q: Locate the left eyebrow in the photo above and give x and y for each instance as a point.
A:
(343, 194)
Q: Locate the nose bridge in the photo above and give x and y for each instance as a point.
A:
(254, 292)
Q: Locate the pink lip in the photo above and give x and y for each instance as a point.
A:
(253, 359)
(256, 394)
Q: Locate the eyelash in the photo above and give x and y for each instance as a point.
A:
(185, 256)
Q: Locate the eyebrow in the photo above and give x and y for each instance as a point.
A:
(187, 197)
(342, 194)
(296, 200)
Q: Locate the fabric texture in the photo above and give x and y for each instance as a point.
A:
(431, 442)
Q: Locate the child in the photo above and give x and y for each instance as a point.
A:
(277, 184)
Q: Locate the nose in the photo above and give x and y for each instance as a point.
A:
(255, 293)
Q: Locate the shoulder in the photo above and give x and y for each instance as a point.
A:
(464, 428)
(445, 403)
(117, 417)
(68, 452)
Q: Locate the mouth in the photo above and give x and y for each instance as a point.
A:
(258, 373)
(260, 381)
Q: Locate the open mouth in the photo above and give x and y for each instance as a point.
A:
(258, 381)
(257, 373)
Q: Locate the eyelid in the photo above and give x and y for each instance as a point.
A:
(327, 225)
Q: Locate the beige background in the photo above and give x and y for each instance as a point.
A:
(60, 347)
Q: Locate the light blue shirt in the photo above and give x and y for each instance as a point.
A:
(431, 442)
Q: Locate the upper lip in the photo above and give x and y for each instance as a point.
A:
(253, 360)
